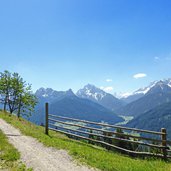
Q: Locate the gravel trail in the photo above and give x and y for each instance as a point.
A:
(35, 155)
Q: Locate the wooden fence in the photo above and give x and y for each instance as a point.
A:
(155, 144)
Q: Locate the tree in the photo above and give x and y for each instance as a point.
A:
(5, 83)
(16, 90)
(16, 94)
(26, 102)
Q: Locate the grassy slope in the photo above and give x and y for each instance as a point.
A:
(9, 156)
(93, 156)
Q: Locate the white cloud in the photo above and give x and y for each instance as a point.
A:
(109, 80)
(107, 89)
(139, 75)
(156, 58)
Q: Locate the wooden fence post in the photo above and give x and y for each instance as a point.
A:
(164, 138)
(46, 118)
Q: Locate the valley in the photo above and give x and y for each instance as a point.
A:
(126, 120)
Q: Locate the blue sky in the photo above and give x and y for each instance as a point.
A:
(66, 44)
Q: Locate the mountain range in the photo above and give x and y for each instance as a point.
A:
(147, 105)
(155, 94)
(99, 96)
(66, 103)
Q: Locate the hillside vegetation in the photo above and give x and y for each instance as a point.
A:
(145, 104)
(154, 119)
(85, 153)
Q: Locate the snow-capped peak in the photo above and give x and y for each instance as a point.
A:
(145, 89)
(50, 93)
(160, 84)
(168, 82)
(44, 92)
(99, 96)
(90, 91)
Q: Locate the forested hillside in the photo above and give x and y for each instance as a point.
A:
(154, 119)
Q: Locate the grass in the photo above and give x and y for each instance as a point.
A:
(9, 156)
(85, 153)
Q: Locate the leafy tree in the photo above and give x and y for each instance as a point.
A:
(17, 94)
(5, 83)
(26, 102)
(16, 90)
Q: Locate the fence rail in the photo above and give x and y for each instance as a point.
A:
(96, 129)
(111, 139)
(108, 125)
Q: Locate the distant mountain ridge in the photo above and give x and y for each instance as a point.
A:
(143, 91)
(92, 103)
(66, 103)
(156, 94)
(50, 94)
(99, 96)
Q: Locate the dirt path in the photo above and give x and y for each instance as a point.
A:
(35, 155)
